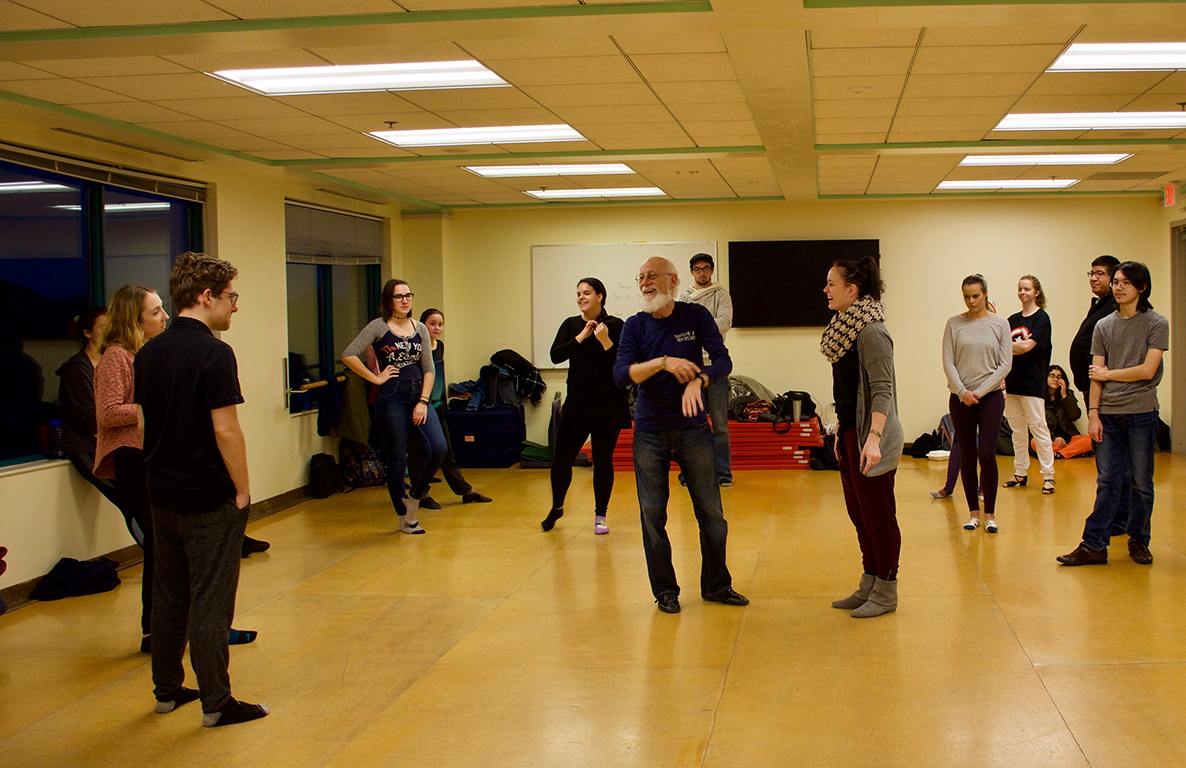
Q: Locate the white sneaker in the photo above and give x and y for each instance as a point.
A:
(990, 526)
(972, 524)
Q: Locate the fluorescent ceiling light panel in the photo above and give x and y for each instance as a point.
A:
(1043, 159)
(512, 171)
(13, 187)
(419, 76)
(508, 134)
(1072, 121)
(1009, 184)
(121, 207)
(568, 194)
(1121, 57)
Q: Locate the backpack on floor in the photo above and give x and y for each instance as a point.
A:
(324, 478)
(361, 465)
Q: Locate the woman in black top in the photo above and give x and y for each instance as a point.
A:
(595, 405)
(1025, 386)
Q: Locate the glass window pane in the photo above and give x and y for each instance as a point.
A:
(44, 283)
(142, 233)
(353, 309)
(302, 321)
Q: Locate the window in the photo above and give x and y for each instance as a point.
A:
(333, 289)
(67, 244)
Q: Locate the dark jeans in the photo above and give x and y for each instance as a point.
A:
(983, 418)
(575, 428)
(716, 404)
(692, 450)
(1121, 521)
(449, 468)
(197, 575)
(393, 413)
(131, 482)
(872, 509)
(1126, 450)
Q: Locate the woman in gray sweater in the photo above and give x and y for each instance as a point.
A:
(977, 356)
(869, 440)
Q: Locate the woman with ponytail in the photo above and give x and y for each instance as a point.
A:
(869, 441)
(595, 406)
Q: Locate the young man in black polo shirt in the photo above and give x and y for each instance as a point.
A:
(187, 391)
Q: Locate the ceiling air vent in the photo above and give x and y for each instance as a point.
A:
(1127, 175)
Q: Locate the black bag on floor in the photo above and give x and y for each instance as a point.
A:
(70, 578)
(324, 478)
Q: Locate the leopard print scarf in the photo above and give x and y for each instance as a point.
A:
(842, 330)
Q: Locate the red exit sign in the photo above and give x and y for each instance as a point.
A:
(1170, 191)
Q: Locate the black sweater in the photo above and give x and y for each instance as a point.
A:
(1080, 357)
(591, 385)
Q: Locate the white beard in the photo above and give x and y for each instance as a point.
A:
(653, 304)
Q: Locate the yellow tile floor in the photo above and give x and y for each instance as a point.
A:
(487, 642)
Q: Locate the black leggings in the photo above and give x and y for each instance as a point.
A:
(985, 418)
(575, 429)
(131, 480)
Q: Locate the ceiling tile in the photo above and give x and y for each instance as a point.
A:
(576, 70)
(543, 47)
(715, 111)
(470, 98)
(381, 149)
(741, 164)
(553, 146)
(247, 107)
(1079, 103)
(334, 104)
(61, 91)
(956, 105)
(246, 143)
(879, 87)
(850, 138)
(635, 113)
(727, 140)
(1003, 35)
(1092, 83)
(128, 65)
(335, 141)
(286, 154)
(856, 62)
(192, 129)
(212, 62)
(835, 162)
(658, 129)
(285, 126)
(1157, 102)
(136, 112)
(923, 86)
(864, 38)
(99, 14)
(14, 17)
(664, 142)
(159, 87)
(899, 187)
(855, 108)
(390, 54)
(1101, 186)
(693, 43)
(1175, 83)
(945, 60)
(933, 137)
(852, 124)
(1036, 135)
(10, 70)
(976, 123)
(476, 118)
(701, 92)
(611, 94)
(1132, 134)
(404, 121)
(920, 161)
(276, 9)
(681, 67)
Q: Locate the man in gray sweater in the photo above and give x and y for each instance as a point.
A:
(713, 297)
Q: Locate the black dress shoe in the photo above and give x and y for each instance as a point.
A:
(1085, 556)
(473, 497)
(1139, 552)
(429, 502)
(668, 602)
(728, 597)
(251, 545)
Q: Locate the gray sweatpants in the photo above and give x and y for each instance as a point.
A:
(196, 578)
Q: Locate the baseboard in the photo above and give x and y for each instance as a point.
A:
(17, 595)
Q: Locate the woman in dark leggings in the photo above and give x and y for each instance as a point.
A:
(595, 406)
(977, 355)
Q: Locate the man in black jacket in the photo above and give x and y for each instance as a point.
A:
(1103, 303)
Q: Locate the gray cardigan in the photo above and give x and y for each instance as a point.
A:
(878, 392)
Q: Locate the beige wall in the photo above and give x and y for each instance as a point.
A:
(927, 248)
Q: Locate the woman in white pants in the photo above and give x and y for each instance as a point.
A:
(1025, 386)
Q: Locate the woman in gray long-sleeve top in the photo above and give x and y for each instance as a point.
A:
(405, 378)
(977, 355)
(869, 441)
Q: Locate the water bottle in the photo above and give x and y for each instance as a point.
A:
(54, 435)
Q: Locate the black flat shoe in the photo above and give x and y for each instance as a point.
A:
(668, 602)
(429, 502)
(727, 596)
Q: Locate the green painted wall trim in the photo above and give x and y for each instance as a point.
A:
(989, 195)
(364, 20)
(811, 4)
(515, 156)
(586, 203)
(981, 145)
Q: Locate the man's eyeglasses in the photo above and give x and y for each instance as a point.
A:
(234, 297)
(650, 277)
(1121, 284)
(700, 270)
(402, 296)
(1098, 273)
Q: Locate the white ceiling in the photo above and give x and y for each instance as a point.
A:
(737, 99)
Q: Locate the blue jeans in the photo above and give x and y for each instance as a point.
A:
(692, 450)
(716, 402)
(393, 412)
(1128, 439)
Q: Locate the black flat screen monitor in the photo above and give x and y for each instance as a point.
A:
(780, 283)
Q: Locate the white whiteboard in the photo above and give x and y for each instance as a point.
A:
(556, 270)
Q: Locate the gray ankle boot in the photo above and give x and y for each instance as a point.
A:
(883, 599)
(858, 598)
